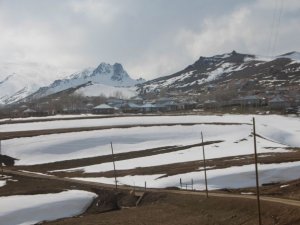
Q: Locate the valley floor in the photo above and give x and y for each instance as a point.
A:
(165, 154)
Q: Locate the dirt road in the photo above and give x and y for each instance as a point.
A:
(181, 192)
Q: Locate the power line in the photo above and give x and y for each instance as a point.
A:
(278, 26)
(276, 21)
(272, 30)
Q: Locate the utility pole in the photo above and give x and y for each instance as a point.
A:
(113, 158)
(256, 174)
(1, 159)
(204, 166)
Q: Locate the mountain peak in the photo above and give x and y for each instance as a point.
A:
(233, 52)
(104, 74)
(102, 68)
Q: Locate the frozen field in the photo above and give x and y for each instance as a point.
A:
(32, 209)
(233, 177)
(276, 133)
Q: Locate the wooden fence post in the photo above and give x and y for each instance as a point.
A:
(113, 158)
(204, 166)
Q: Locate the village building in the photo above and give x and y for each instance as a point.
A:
(103, 109)
(30, 112)
(136, 100)
(210, 104)
(278, 102)
(130, 108)
(148, 107)
(249, 100)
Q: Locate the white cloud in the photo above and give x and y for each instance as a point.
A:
(151, 65)
(287, 5)
(101, 10)
(151, 38)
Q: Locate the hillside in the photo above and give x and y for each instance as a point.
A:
(232, 71)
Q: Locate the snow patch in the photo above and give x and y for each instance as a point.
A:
(32, 209)
(107, 91)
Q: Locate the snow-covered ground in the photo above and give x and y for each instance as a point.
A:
(278, 128)
(232, 177)
(278, 132)
(31, 209)
(4, 179)
(107, 91)
(58, 147)
(2, 183)
(58, 116)
(274, 127)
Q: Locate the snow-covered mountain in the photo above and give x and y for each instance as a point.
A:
(18, 80)
(231, 70)
(92, 81)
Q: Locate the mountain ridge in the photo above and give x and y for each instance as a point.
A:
(236, 71)
(226, 69)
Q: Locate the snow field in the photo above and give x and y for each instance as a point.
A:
(278, 132)
(106, 90)
(232, 177)
(58, 147)
(278, 128)
(31, 209)
(2, 183)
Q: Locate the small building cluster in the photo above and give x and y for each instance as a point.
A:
(139, 105)
(282, 100)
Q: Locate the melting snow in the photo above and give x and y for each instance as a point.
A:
(31, 209)
(232, 177)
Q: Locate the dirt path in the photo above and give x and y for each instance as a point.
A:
(181, 192)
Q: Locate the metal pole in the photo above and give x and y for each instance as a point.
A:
(256, 174)
(204, 165)
(113, 158)
(1, 159)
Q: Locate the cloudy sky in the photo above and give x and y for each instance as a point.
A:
(150, 38)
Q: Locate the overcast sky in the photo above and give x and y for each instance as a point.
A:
(150, 38)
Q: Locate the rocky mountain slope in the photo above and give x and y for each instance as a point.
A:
(232, 70)
(227, 72)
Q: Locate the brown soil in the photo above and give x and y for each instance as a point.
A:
(191, 166)
(108, 158)
(158, 208)
(290, 190)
